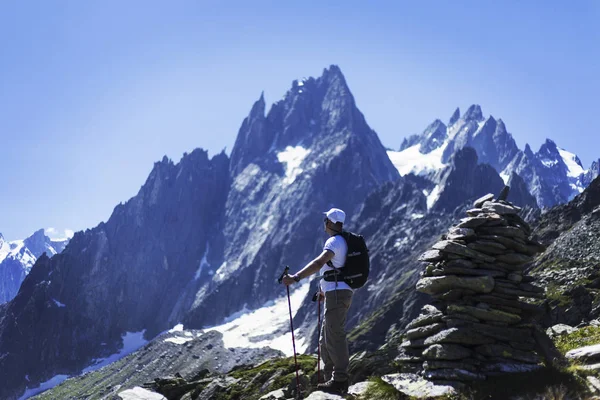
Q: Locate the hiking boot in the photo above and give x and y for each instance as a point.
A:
(334, 387)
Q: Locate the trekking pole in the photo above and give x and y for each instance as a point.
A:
(285, 272)
(317, 298)
(319, 333)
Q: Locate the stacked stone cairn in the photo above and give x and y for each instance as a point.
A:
(480, 323)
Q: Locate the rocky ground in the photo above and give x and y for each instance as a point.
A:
(190, 353)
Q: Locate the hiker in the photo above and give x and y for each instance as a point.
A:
(338, 297)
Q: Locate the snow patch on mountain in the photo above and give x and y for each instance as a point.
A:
(411, 160)
(480, 125)
(433, 196)
(131, 342)
(203, 263)
(293, 158)
(58, 303)
(574, 168)
(49, 384)
(267, 326)
(179, 340)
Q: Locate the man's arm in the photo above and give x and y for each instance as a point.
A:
(311, 268)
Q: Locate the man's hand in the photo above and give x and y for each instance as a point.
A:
(288, 280)
(320, 296)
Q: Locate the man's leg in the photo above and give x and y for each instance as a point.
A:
(328, 363)
(337, 304)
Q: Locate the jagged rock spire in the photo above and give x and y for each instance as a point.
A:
(474, 113)
(455, 117)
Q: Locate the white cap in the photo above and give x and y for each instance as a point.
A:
(336, 215)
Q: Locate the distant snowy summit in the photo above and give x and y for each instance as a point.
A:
(18, 256)
(553, 175)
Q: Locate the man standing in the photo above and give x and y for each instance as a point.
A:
(338, 297)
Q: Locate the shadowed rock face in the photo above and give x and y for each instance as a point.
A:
(569, 266)
(125, 275)
(312, 151)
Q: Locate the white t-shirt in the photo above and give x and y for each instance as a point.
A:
(338, 245)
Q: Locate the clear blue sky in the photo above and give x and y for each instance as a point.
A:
(92, 93)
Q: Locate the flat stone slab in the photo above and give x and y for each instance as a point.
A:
(278, 394)
(593, 384)
(504, 351)
(138, 393)
(424, 331)
(318, 395)
(508, 231)
(416, 387)
(459, 336)
(500, 208)
(441, 284)
(453, 375)
(486, 315)
(431, 255)
(509, 368)
(479, 202)
(472, 222)
(460, 233)
(450, 352)
(585, 353)
(449, 246)
(514, 258)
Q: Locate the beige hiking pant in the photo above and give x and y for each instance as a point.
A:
(334, 346)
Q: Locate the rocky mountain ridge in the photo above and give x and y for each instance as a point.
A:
(206, 238)
(552, 174)
(17, 258)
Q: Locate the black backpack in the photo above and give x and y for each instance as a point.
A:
(356, 268)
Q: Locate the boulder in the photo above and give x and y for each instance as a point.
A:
(416, 387)
(278, 394)
(559, 330)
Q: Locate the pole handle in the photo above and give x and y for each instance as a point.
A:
(285, 272)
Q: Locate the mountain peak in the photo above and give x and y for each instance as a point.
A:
(549, 150)
(258, 108)
(474, 113)
(455, 117)
(528, 152)
(333, 72)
